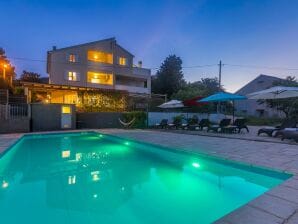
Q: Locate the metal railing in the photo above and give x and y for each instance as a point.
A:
(14, 111)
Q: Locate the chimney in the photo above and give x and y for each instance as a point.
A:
(54, 48)
(140, 63)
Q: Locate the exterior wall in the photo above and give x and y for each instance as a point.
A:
(47, 117)
(15, 125)
(252, 107)
(99, 120)
(58, 65)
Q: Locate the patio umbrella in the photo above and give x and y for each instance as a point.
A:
(222, 97)
(172, 104)
(276, 92)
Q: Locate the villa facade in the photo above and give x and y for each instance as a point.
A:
(99, 74)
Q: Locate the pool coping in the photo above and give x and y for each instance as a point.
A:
(278, 205)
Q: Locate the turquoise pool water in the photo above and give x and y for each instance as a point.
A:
(95, 178)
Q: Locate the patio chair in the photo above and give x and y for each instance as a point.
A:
(176, 124)
(288, 123)
(222, 124)
(237, 126)
(191, 123)
(163, 124)
(204, 123)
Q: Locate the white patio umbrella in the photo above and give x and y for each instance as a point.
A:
(172, 104)
(276, 92)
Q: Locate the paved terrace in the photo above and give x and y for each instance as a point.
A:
(279, 205)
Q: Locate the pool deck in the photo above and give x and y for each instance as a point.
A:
(279, 205)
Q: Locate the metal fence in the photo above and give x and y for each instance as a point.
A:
(14, 111)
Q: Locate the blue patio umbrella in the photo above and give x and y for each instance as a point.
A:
(222, 97)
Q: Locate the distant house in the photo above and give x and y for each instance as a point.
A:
(98, 74)
(252, 107)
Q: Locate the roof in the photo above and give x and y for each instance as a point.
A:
(42, 86)
(259, 83)
(89, 43)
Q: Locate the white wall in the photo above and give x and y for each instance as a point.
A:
(156, 117)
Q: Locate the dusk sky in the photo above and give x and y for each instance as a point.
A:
(262, 33)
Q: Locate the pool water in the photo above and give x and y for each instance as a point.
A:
(94, 178)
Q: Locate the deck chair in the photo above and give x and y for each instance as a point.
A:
(288, 123)
(237, 126)
(204, 123)
(221, 126)
(163, 124)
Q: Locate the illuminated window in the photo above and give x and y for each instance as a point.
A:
(65, 154)
(100, 56)
(72, 76)
(72, 58)
(66, 110)
(122, 61)
(100, 78)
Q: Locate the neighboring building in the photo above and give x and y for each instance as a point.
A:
(253, 107)
(91, 74)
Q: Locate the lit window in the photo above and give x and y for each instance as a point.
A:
(65, 154)
(122, 61)
(72, 76)
(66, 110)
(72, 58)
(100, 78)
(100, 56)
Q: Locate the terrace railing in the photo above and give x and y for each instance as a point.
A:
(14, 111)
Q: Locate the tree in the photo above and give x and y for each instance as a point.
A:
(204, 87)
(30, 76)
(6, 69)
(288, 106)
(169, 78)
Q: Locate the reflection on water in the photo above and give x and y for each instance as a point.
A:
(81, 178)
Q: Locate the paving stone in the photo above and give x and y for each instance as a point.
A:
(275, 206)
(293, 219)
(286, 193)
(250, 215)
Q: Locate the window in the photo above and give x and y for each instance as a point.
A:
(72, 76)
(100, 56)
(100, 78)
(66, 110)
(72, 58)
(122, 61)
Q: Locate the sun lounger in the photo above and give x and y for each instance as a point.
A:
(237, 126)
(203, 123)
(289, 123)
(220, 127)
(288, 133)
(163, 124)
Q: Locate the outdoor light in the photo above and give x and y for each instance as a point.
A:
(66, 154)
(4, 184)
(196, 165)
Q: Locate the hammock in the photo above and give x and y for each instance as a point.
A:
(126, 124)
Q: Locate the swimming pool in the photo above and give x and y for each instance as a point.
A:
(95, 178)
